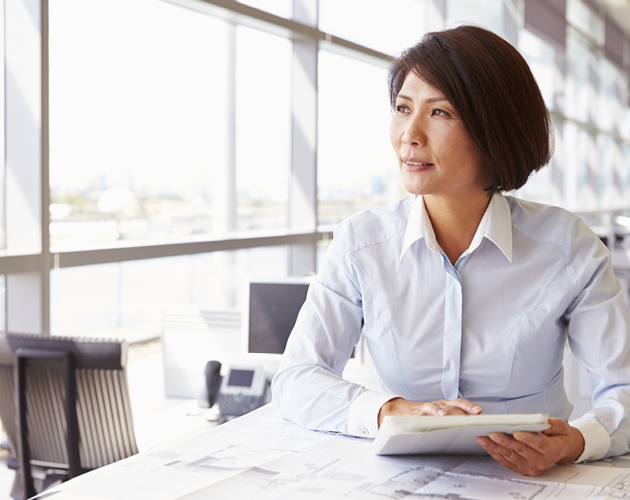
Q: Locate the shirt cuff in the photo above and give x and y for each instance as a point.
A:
(363, 415)
(596, 439)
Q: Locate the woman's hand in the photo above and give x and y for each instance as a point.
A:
(402, 407)
(530, 453)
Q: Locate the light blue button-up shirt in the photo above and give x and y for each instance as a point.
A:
(491, 328)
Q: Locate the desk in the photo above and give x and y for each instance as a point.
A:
(261, 456)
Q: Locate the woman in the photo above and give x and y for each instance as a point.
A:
(465, 297)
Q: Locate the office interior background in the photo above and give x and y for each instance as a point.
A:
(156, 152)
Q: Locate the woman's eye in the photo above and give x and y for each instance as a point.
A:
(401, 109)
(440, 112)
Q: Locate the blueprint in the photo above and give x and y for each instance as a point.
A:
(263, 457)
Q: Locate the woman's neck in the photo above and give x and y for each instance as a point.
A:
(455, 220)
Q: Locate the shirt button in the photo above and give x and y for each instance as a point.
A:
(365, 432)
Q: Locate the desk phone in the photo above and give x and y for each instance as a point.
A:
(242, 390)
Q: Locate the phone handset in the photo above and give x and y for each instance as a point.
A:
(213, 381)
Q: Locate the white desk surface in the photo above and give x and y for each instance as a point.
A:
(263, 457)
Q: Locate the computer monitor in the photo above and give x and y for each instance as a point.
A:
(271, 307)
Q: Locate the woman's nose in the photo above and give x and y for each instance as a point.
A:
(414, 133)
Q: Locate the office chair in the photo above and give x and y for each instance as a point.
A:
(64, 404)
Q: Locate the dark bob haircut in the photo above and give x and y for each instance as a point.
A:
(495, 94)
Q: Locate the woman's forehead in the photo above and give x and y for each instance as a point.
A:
(414, 85)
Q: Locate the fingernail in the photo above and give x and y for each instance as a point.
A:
(519, 435)
(476, 409)
(495, 436)
(441, 413)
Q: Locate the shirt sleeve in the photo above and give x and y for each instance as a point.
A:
(599, 336)
(596, 439)
(308, 388)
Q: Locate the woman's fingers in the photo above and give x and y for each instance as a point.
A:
(441, 408)
(530, 453)
(400, 406)
(516, 455)
(468, 406)
(458, 406)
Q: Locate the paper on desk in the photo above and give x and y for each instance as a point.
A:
(262, 457)
(172, 472)
(383, 477)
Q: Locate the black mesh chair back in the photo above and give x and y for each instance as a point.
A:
(71, 435)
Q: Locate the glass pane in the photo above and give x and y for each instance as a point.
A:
(137, 110)
(558, 166)
(624, 177)
(581, 157)
(388, 27)
(486, 13)
(625, 113)
(125, 299)
(579, 90)
(263, 129)
(3, 243)
(84, 301)
(538, 187)
(609, 157)
(356, 165)
(548, 185)
(611, 92)
(282, 8)
(583, 18)
(541, 57)
(322, 248)
(3, 303)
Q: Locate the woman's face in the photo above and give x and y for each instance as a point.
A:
(435, 154)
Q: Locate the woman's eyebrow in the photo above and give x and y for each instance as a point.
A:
(429, 100)
(436, 99)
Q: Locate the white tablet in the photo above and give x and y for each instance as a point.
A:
(450, 434)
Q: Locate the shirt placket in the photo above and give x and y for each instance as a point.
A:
(452, 332)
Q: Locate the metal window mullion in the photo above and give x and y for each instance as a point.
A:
(3, 195)
(302, 204)
(25, 153)
(239, 13)
(45, 178)
(512, 20)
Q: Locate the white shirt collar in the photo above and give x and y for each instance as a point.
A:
(495, 225)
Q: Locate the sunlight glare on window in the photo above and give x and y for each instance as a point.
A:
(137, 114)
(388, 27)
(263, 128)
(356, 166)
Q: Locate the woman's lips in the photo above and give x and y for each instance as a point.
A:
(416, 164)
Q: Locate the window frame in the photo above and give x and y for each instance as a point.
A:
(27, 273)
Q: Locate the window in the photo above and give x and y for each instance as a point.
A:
(137, 121)
(580, 15)
(282, 8)
(388, 27)
(3, 302)
(541, 57)
(263, 129)
(579, 88)
(612, 96)
(356, 166)
(487, 13)
(184, 148)
(125, 298)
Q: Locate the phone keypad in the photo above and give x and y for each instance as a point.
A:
(238, 404)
